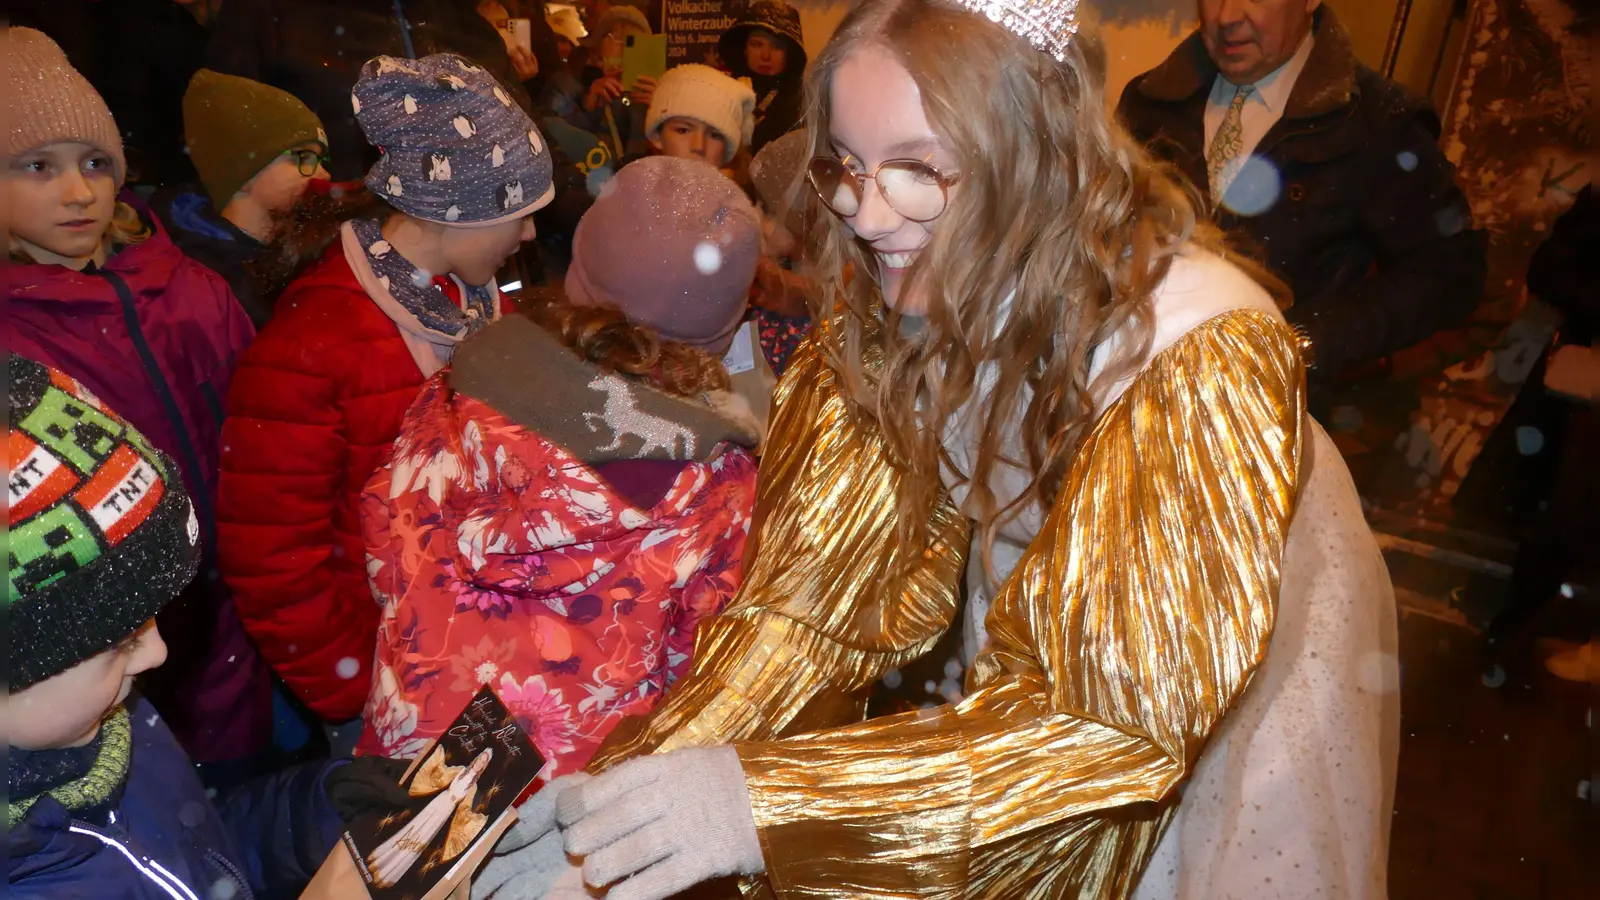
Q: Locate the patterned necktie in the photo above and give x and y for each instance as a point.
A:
(1227, 144)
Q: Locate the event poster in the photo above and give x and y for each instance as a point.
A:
(692, 28)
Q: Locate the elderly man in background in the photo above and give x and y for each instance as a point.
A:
(1322, 169)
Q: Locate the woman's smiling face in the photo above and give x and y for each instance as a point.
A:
(875, 114)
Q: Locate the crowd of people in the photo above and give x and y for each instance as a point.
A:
(807, 362)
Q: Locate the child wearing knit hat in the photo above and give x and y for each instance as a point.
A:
(700, 113)
(257, 151)
(321, 392)
(102, 802)
(97, 289)
(611, 488)
(255, 147)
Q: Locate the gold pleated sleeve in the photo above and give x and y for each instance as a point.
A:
(830, 599)
(1134, 621)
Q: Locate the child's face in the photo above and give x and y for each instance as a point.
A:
(475, 254)
(279, 186)
(688, 138)
(61, 200)
(66, 710)
(765, 53)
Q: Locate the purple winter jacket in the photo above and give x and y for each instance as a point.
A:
(156, 336)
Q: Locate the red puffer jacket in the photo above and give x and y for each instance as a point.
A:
(315, 405)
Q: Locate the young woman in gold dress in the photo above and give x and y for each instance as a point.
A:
(1048, 373)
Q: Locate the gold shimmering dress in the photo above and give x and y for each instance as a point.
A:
(1204, 511)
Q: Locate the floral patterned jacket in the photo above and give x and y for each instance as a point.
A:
(506, 548)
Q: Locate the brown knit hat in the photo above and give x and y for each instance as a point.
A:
(48, 102)
(236, 127)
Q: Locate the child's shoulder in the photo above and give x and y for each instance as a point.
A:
(322, 311)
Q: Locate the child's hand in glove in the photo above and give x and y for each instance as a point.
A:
(367, 784)
(665, 823)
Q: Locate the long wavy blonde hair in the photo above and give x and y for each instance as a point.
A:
(1055, 203)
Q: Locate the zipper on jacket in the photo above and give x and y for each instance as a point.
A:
(149, 868)
(198, 490)
(226, 865)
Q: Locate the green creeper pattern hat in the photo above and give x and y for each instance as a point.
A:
(236, 127)
(102, 534)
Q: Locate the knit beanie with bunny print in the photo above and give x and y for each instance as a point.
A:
(456, 149)
(49, 102)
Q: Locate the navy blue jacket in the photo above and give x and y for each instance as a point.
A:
(168, 841)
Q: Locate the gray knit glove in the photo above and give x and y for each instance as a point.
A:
(665, 823)
(530, 863)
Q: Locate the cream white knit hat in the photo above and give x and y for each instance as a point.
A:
(700, 92)
(48, 102)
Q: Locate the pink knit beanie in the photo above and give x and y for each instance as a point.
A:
(48, 102)
(673, 244)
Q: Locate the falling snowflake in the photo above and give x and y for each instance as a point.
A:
(192, 814)
(707, 258)
(347, 668)
(1255, 189)
(1530, 440)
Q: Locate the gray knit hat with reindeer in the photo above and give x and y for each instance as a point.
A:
(455, 147)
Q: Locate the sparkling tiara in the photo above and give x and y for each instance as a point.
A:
(1046, 24)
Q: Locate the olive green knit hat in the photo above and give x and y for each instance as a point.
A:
(237, 127)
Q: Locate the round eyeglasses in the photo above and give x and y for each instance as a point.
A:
(911, 187)
(308, 161)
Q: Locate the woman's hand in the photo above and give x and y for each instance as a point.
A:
(602, 92)
(664, 823)
(523, 60)
(643, 90)
(530, 862)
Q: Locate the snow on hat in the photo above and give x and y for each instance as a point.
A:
(455, 147)
(49, 102)
(101, 532)
(699, 92)
(673, 244)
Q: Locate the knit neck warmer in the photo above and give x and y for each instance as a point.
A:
(416, 292)
(79, 778)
